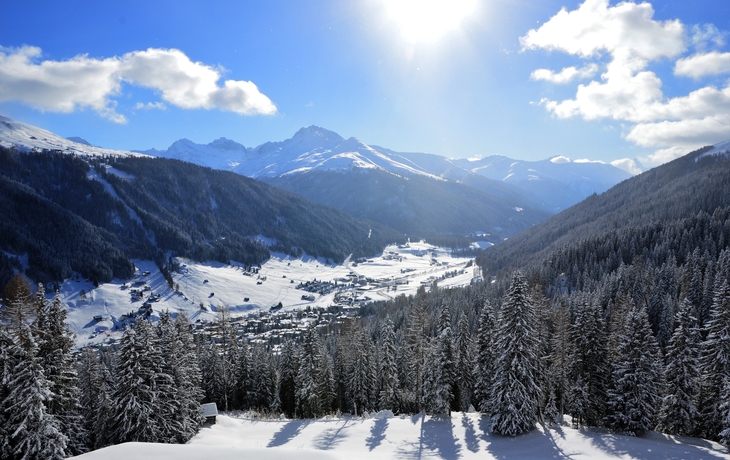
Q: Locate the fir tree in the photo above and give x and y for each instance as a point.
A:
(590, 368)
(633, 398)
(515, 391)
(389, 382)
(134, 399)
(34, 433)
(288, 370)
(56, 342)
(715, 363)
(679, 413)
(485, 358)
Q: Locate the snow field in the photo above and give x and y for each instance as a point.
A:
(463, 436)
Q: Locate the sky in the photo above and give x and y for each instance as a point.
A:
(594, 79)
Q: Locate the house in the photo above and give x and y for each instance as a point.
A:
(210, 412)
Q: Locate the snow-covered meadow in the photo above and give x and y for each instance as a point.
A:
(383, 436)
(216, 285)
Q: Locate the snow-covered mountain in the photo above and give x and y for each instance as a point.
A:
(558, 180)
(28, 137)
(222, 153)
(556, 183)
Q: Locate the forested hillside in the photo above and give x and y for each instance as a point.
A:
(676, 190)
(419, 206)
(67, 214)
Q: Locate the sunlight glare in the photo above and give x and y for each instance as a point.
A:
(428, 20)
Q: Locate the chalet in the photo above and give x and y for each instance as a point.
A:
(210, 412)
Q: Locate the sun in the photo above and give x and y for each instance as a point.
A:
(428, 20)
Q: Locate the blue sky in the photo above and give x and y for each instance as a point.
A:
(505, 78)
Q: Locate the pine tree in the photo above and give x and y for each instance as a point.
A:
(715, 363)
(464, 379)
(288, 370)
(34, 433)
(188, 379)
(725, 414)
(361, 374)
(241, 375)
(515, 391)
(263, 380)
(315, 380)
(389, 382)
(55, 346)
(679, 413)
(633, 398)
(485, 358)
(588, 394)
(134, 399)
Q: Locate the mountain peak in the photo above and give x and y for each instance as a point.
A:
(316, 132)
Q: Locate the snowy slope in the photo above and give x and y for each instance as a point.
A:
(29, 137)
(718, 149)
(383, 436)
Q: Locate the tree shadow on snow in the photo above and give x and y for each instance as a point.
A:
(533, 445)
(329, 439)
(470, 435)
(653, 446)
(377, 433)
(437, 436)
(288, 431)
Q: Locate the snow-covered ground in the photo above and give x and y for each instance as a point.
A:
(216, 285)
(463, 436)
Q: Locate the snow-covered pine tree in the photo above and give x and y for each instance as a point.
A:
(725, 414)
(561, 358)
(166, 353)
(315, 380)
(590, 369)
(134, 400)
(262, 380)
(55, 346)
(484, 368)
(213, 371)
(634, 394)
(33, 432)
(389, 382)
(361, 380)
(446, 361)
(715, 363)
(188, 379)
(241, 375)
(515, 390)
(288, 370)
(679, 414)
(464, 379)
(9, 355)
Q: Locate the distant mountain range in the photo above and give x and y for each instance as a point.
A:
(552, 184)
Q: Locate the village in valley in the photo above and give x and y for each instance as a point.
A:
(266, 303)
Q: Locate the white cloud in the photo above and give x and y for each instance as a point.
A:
(699, 65)
(150, 106)
(84, 82)
(586, 160)
(595, 28)
(628, 165)
(566, 75)
(627, 90)
(559, 159)
(707, 35)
